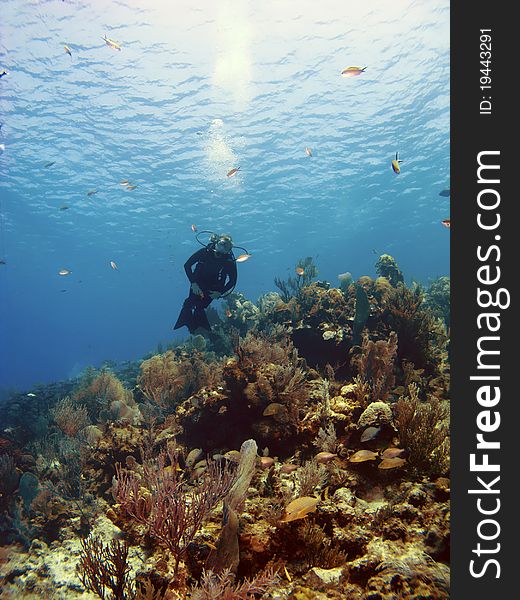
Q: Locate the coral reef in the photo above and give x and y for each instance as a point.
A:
(387, 267)
(299, 450)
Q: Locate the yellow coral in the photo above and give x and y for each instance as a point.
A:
(160, 377)
(105, 388)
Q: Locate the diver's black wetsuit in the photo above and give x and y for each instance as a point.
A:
(210, 274)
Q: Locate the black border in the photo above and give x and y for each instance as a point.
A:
(472, 133)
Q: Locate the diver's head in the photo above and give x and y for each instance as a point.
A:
(223, 244)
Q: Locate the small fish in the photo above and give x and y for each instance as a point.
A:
(49, 164)
(3, 73)
(370, 433)
(233, 172)
(31, 395)
(299, 508)
(193, 457)
(393, 453)
(391, 463)
(243, 258)
(300, 270)
(2, 147)
(233, 456)
(352, 71)
(2, 261)
(288, 468)
(324, 457)
(113, 265)
(212, 546)
(124, 182)
(111, 44)
(64, 272)
(222, 410)
(131, 187)
(395, 164)
(308, 151)
(67, 50)
(91, 192)
(266, 462)
(363, 456)
(446, 223)
(194, 228)
(445, 193)
(64, 207)
(229, 314)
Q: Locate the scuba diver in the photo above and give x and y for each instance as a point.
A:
(215, 275)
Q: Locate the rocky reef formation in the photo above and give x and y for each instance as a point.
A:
(300, 450)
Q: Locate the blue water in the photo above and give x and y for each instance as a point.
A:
(199, 88)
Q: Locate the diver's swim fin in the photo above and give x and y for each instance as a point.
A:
(185, 318)
(199, 319)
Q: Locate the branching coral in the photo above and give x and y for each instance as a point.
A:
(326, 440)
(97, 392)
(104, 569)
(416, 327)
(424, 431)
(160, 501)
(222, 587)
(69, 417)
(438, 298)
(376, 365)
(293, 286)
(317, 548)
(166, 379)
(310, 475)
(268, 372)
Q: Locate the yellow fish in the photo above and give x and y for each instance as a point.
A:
(111, 44)
(131, 187)
(352, 71)
(395, 164)
(299, 508)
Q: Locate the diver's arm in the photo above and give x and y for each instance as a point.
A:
(194, 258)
(231, 272)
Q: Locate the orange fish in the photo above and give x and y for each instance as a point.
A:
(308, 151)
(299, 271)
(233, 172)
(446, 223)
(113, 265)
(194, 228)
(243, 258)
(352, 71)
